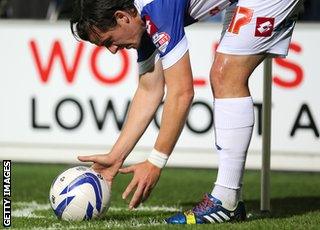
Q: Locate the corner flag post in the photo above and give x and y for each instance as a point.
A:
(266, 136)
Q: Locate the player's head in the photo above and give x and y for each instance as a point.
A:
(111, 23)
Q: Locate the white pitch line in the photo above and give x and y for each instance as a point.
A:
(26, 209)
(107, 225)
(148, 209)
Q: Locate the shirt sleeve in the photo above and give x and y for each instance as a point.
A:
(147, 54)
(165, 26)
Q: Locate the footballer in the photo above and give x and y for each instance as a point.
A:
(252, 31)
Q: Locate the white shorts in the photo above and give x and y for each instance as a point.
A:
(259, 26)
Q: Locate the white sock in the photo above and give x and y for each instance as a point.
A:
(234, 120)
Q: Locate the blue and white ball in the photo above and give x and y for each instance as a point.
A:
(79, 193)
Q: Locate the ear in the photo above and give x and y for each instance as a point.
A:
(122, 17)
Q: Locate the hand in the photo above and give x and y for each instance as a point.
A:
(104, 164)
(145, 177)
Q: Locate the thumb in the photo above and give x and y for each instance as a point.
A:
(127, 169)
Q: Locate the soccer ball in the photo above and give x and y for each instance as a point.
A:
(79, 193)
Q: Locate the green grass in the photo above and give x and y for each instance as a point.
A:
(295, 200)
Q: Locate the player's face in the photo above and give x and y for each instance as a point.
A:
(126, 34)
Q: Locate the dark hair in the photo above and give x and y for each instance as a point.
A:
(90, 15)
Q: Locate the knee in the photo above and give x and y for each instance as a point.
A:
(229, 77)
(218, 78)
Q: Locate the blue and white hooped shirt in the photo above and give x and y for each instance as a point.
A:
(165, 21)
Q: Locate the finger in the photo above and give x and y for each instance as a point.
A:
(146, 193)
(126, 170)
(129, 188)
(98, 158)
(137, 196)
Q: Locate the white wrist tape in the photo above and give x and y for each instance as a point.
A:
(157, 158)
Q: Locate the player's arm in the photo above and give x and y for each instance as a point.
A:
(178, 80)
(146, 100)
(145, 103)
(179, 83)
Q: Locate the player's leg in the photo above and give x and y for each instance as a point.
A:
(252, 33)
(233, 119)
(233, 122)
